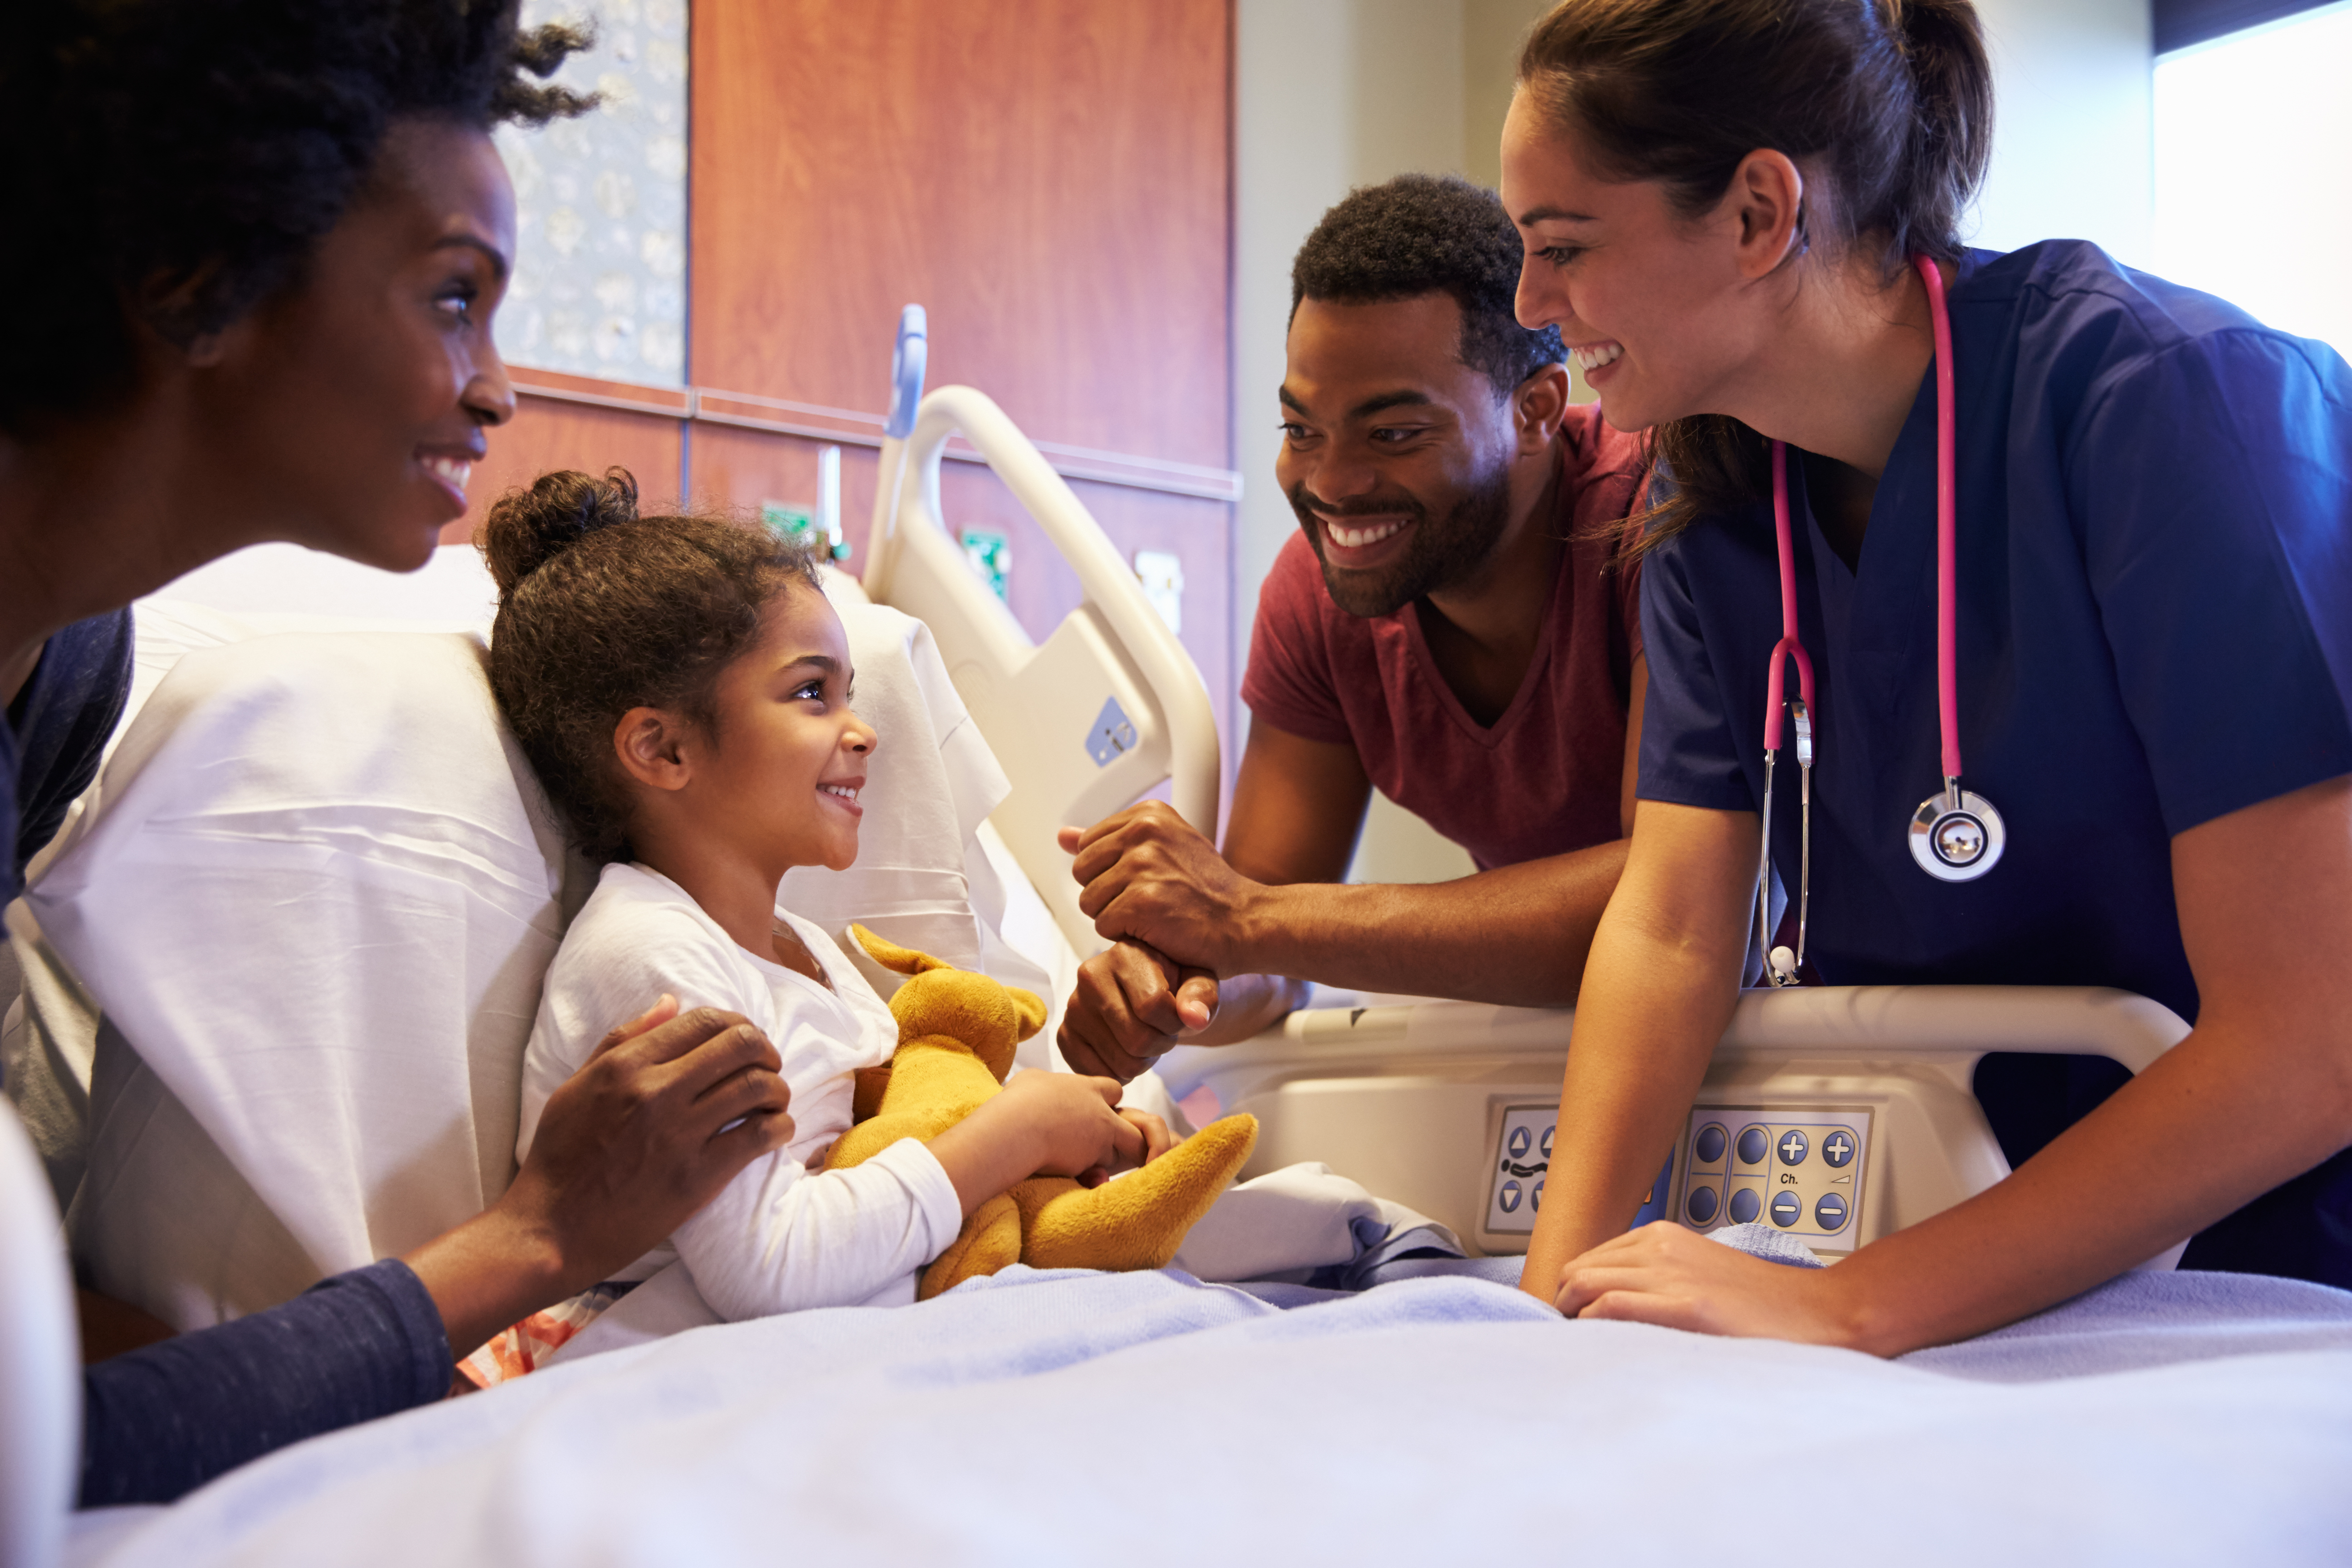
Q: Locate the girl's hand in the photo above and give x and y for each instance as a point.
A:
(1666, 1275)
(1075, 1124)
(1157, 1139)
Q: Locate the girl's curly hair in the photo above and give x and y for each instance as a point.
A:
(601, 611)
(182, 159)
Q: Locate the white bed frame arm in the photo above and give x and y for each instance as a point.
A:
(1109, 707)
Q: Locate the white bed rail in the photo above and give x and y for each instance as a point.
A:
(1417, 1101)
(1104, 710)
(40, 1395)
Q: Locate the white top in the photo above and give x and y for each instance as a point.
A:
(778, 1238)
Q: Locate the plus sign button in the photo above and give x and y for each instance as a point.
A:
(1793, 1147)
(1837, 1150)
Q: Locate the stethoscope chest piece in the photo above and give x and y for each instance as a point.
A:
(1956, 836)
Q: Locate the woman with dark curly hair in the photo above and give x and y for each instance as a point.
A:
(256, 246)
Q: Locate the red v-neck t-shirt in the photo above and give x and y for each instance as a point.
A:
(1546, 777)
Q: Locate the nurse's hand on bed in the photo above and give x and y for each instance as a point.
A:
(1676, 1278)
(663, 1115)
(1131, 1004)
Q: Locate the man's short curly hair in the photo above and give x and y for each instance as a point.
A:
(1418, 234)
(199, 151)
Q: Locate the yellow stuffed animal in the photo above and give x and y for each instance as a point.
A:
(957, 1031)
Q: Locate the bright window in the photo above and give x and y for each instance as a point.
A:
(2253, 138)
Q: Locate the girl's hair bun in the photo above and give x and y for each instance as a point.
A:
(526, 528)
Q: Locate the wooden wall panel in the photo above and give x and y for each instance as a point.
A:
(1050, 178)
(739, 468)
(735, 469)
(545, 433)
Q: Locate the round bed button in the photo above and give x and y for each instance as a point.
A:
(1793, 1147)
(1829, 1212)
(1701, 1205)
(1745, 1205)
(1708, 1146)
(1755, 1142)
(1787, 1209)
(1837, 1150)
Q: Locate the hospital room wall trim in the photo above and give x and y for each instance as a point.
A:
(853, 427)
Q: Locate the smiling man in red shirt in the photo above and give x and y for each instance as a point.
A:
(1452, 624)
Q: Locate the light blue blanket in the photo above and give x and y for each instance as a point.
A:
(1123, 1419)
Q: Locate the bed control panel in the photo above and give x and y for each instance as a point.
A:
(1523, 1156)
(1799, 1169)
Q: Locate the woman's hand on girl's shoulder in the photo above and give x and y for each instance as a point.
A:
(665, 1113)
(1676, 1278)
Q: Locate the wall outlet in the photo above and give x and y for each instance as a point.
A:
(990, 555)
(787, 517)
(1163, 576)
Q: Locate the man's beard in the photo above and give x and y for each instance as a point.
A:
(1441, 555)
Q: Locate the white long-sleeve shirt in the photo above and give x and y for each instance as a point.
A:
(779, 1236)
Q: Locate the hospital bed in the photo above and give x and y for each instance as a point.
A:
(2162, 1418)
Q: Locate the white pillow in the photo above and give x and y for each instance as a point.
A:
(315, 891)
(314, 902)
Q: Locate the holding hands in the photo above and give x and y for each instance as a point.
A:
(1151, 877)
(1182, 921)
(1132, 1002)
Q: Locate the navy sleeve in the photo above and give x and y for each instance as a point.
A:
(2213, 479)
(1688, 757)
(60, 722)
(160, 1422)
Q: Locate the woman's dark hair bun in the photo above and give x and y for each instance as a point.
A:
(527, 527)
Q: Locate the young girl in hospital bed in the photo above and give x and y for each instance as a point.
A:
(682, 688)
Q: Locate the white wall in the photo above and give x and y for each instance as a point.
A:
(1328, 95)
(2073, 130)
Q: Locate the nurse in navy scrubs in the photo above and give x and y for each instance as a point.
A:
(1722, 203)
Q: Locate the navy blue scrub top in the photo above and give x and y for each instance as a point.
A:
(56, 734)
(2155, 585)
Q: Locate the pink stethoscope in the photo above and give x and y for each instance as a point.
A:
(1956, 835)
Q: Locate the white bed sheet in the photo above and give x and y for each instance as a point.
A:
(1081, 1418)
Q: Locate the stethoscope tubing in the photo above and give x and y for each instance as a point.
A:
(1955, 836)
